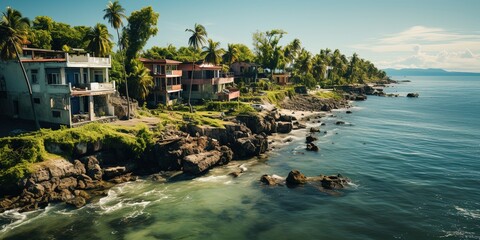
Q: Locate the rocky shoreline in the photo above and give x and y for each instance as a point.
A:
(191, 152)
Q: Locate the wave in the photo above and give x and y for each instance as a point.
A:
(468, 213)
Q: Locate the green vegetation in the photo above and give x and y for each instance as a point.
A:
(330, 95)
(17, 154)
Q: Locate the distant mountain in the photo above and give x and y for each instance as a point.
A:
(425, 72)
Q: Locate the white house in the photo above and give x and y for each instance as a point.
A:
(68, 88)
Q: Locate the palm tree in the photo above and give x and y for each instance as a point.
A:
(212, 53)
(13, 33)
(231, 55)
(114, 14)
(99, 40)
(142, 79)
(196, 41)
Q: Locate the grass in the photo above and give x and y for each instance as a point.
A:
(329, 95)
(19, 154)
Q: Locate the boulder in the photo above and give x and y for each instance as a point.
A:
(111, 172)
(92, 166)
(340, 123)
(270, 180)
(312, 147)
(250, 146)
(201, 162)
(412, 95)
(314, 129)
(284, 127)
(334, 182)
(348, 112)
(311, 138)
(295, 177)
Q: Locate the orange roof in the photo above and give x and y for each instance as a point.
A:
(161, 61)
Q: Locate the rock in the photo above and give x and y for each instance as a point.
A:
(111, 172)
(312, 147)
(80, 148)
(40, 175)
(295, 177)
(360, 98)
(250, 146)
(77, 202)
(340, 123)
(311, 138)
(334, 182)
(270, 180)
(123, 178)
(67, 183)
(92, 166)
(314, 129)
(198, 163)
(349, 112)
(60, 168)
(286, 118)
(412, 95)
(284, 127)
(37, 189)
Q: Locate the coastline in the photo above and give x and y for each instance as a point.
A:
(75, 181)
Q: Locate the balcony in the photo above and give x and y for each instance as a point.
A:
(174, 73)
(87, 61)
(92, 89)
(222, 80)
(228, 94)
(174, 88)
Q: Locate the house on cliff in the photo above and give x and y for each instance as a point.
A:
(68, 88)
(167, 79)
(208, 82)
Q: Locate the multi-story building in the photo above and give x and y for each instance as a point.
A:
(208, 83)
(167, 79)
(68, 88)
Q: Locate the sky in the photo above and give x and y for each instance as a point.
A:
(390, 33)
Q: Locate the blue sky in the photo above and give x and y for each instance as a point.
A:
(406, 33)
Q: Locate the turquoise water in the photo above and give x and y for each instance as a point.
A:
(414, 166)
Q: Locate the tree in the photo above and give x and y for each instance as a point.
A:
(231, 55)
(142, 80)
(98, 39)
(212, 52)
(114, 13)
(142, 25)
(13, 33)
(40, 39)
(169, 52)
(269, 53)
(244, 53)
(195, 41)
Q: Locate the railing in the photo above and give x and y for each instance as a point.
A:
(228, 95)
(72, 58)
(174, 87)
(222, 80)
(174, 72)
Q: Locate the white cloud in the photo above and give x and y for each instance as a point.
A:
(424, 47)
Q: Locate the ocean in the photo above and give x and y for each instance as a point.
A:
(413, 163)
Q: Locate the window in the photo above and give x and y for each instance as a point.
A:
(34, 77)
(36, 100)
(158, 70)
(56, 114)
(195, 87)
(57, 102)
(98, 76)
(53, 78)
(76, 78)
